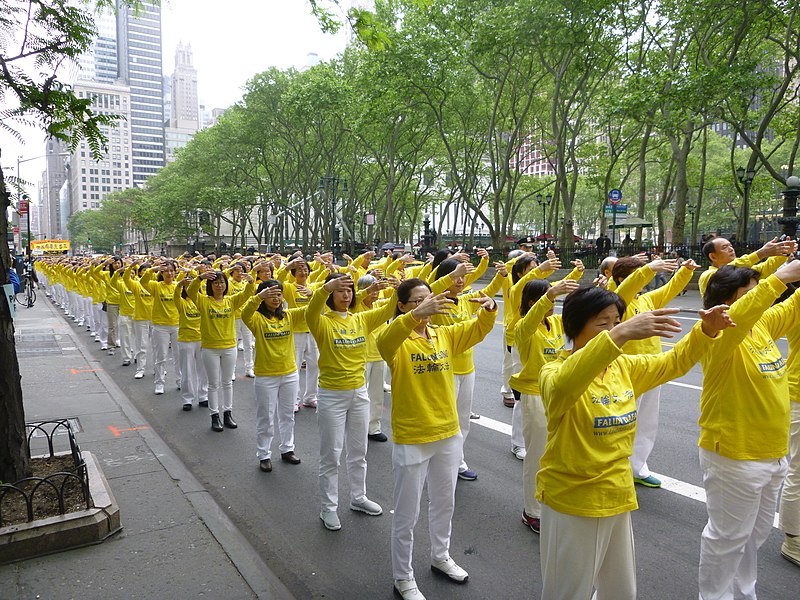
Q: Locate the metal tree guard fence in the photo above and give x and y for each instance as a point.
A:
(33, 490)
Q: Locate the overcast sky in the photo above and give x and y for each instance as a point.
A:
(231, 41)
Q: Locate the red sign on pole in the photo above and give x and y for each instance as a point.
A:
(23, 207)
(16, 231)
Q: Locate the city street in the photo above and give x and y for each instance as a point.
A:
(278, 512)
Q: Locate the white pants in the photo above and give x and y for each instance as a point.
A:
(220, 363)
(741, 496)
(517, 435)
(102, 317)
(375, 392)
(534, 430)
(790, 498)
(343, 418)
(508, 371)
(578, 553)
(126, 337)
(164, 336)
(141, 343)
(465, 385)
(275, 401)
(248, 342)
(194, 383)
(88, 308)
(646, 430)
(305, 349)
(413, 465)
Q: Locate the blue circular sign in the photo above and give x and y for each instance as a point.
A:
(615, 196)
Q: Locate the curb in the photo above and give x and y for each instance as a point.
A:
(250, 565)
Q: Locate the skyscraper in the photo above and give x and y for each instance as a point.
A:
(139, 66)
(184, 110)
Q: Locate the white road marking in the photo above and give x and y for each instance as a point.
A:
(687, 490)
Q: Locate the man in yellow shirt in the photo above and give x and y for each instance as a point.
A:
(720, 252)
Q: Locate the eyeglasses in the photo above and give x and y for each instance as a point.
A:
(415, 301)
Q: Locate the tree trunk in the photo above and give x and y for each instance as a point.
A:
(14, 459)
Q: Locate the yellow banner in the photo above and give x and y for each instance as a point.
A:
(50, 245)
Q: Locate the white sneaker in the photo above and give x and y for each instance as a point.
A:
(159, 389)
(103, 347)
(407, 589)
(373, 509)
(331, 520)
(519, 452)
(139, 375)
(388, 388)
(450, 569)
(250, 373)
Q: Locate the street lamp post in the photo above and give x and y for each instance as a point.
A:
(691, 208)
(544, 203)
(790, 220)
(746, 179)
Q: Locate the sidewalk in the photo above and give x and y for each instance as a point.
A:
(176, 542)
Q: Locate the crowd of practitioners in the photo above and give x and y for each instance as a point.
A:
(584, 385)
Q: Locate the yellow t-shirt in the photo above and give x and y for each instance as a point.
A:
(590, 401)
(744, 405)
(188, 317)
(537, 344)
(423, 389)
(342, 341)
(217, 321)
(164, 311)
(274, 339)
(766, 268)
(793, 364)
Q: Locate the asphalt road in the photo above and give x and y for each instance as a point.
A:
(278, 512)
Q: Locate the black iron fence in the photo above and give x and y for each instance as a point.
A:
(34, 491)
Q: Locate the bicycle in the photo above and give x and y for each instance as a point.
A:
(26, 296)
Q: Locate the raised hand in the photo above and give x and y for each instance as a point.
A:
(339, 284)
(551, 264)
(661, 265)
(600, 281)
(560, 288)
(578, 264)
(482, 252)
(485, 301)
(776, 247)
(690, 264)
(715, 319)
(270, 292)
(501, 268)
(432, 305)
(647, 324)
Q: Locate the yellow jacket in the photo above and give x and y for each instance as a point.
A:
(274, 339)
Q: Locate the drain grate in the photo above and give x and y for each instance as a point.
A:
(36, 342)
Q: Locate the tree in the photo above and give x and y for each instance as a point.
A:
(48, 32)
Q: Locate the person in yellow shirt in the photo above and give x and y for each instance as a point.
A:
(165, 321)
(425, 422)
(275, 370)
(720, 252)
(297, 295)
(744, 426)
(218, 339)
(451, 278)
(540, 336)
(630, 277)
(343, 408)
(110, 274)
(506, 395)
(589, 394)
(244, 336)
(790, 496)
(369, 289)
(142, 312)
(194, 382)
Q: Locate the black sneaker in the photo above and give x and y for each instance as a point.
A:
(378, 437)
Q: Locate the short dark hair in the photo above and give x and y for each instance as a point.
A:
(293, 270)
(708, 248)
(209, 284)
(329, 301)
(404, 290)
(531, 293)
(624, 267)
(262, 308)
(725, 282)
(441, 254)
(446, 267)
(518, 269)
(583, 304)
